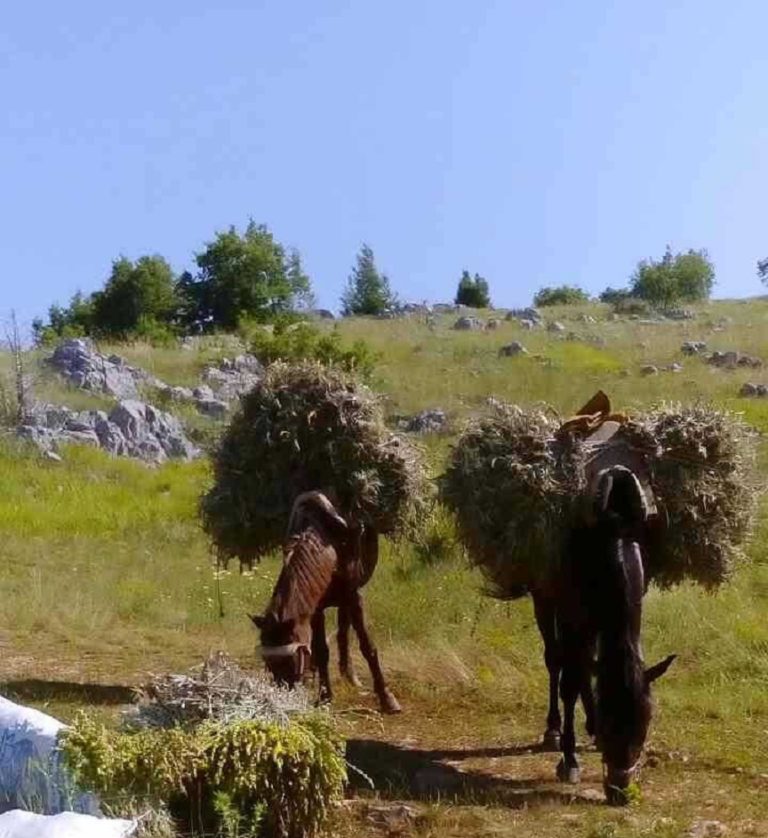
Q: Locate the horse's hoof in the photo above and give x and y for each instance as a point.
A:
(551, 741)
(568, 773)
(389, 704)
(614, 796)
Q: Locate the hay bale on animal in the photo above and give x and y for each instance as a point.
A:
(326, 563)
(520, 482)
(307, 428)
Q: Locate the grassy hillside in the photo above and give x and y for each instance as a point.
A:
(106, 576)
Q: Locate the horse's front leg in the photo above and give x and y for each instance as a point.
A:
(342, 638)
(388, 702)
(544, 609)
(568, 768)
(321, 655)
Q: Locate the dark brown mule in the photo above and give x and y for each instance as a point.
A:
(326, 563)
(599, 606)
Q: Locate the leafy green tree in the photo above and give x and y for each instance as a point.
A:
(367, 290)
(248, 275)
(141, 292)
(76, 320)
(562, 295)
(473, 292)
(681, 277)
(762, 270)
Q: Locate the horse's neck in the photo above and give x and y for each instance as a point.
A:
(624, 586)
(308, 565)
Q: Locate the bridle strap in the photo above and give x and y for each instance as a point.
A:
(286, 651)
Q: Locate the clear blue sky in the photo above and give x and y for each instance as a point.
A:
(536, 143)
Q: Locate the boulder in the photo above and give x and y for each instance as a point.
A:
(555, 326)
(491, 325)
(693, 347)
(529, 313)
(465, 324)
(215, 408)
(151, 434)
(512, 350)
(431, 421)
(649, 369)
(233, 378)
(78, 361)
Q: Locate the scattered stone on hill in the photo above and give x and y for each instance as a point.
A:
(733, 359)
(513, 349)
(444, 308)
(707, 829)
(754, 390)
(492, 324)
(649, 369)
(83, 366)
(674, 367)
(132, 429)
(528, 324)
(693, 347)
(577, 337)
(432, 421)
(680, 314)
(624, 373)
(586, 318)
(555, 326)
(233, 378)
(529, 313)
(465, 324)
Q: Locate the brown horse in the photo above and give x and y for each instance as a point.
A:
(325, 564)
(599, 607)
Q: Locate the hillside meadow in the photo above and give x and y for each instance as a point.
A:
(106, 576)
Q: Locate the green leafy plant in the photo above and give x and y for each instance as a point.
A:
(253, 776)
(562, 295)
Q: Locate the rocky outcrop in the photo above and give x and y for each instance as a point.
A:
(512, 350)
(732, 359)
(233, 378)
(432, 421)
(466, 324)
(131, 429)
(84, 367)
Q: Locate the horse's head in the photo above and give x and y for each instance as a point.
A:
(622, 728)
(285, 647)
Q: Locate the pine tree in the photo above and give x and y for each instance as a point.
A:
(367, 290)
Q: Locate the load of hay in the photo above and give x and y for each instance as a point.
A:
(517, 482)
(222, 751)
(307, 427)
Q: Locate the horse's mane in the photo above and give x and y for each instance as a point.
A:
(308, 567)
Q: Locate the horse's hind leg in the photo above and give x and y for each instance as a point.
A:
(544, 609)
(387, 700)
(321, 655)
(342, 638)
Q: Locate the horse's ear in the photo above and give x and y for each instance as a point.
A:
(658, 669)
(257, 620)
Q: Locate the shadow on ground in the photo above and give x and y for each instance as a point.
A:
(35, 690)
(398, 772)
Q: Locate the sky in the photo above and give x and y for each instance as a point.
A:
(534, 143)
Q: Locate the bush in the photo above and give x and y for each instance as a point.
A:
(562, 295)
(303, 342)
(251, 777)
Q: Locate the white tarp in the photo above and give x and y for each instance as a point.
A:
(18, 824)
(31, 776)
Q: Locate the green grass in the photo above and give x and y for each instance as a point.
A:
(106, 576)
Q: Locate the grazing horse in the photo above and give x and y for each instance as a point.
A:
(599, 606)
(325, 564)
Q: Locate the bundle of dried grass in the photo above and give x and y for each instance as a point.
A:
(216, 691)
(307, 427)
(706, 486)
(511, 486)
(517, 483)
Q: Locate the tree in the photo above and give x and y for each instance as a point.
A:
(248, 276)
(473, 292)
(681, 277)
(367, 290)
(562, 295)
(140, 292)
(762, 270)
(73, 321)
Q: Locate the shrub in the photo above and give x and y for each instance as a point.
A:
(680, 277)
(303, 342)
(562, 295)
(250, 775)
